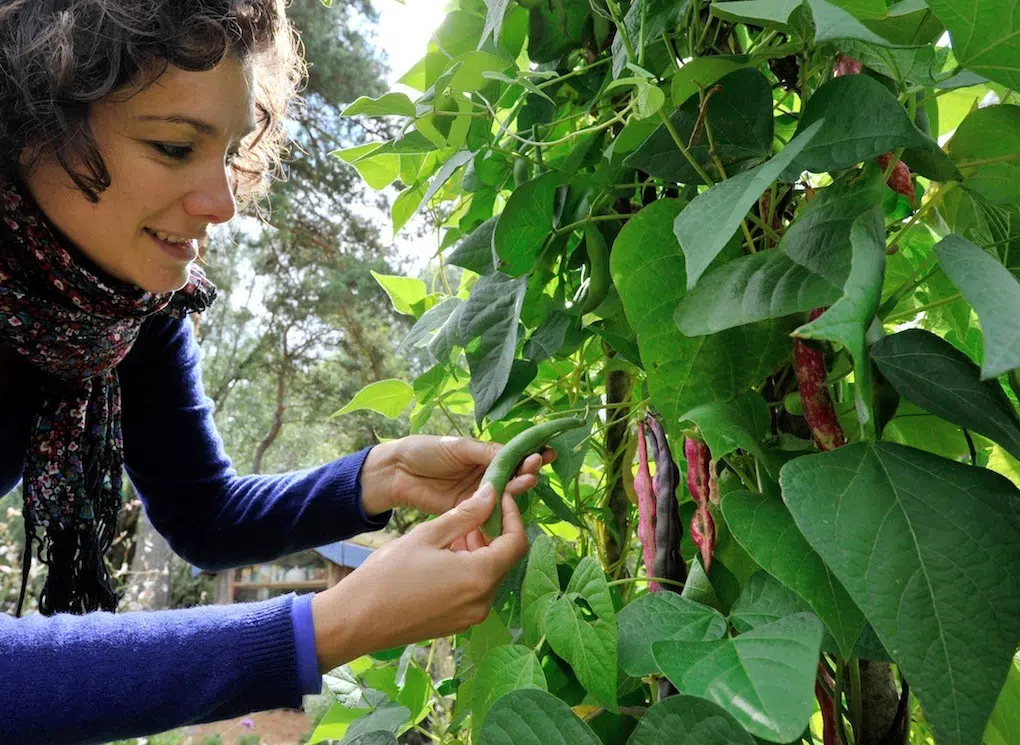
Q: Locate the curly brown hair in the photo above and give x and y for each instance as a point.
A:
(57, 57)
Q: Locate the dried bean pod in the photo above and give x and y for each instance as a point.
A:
(847, 66)
(813, 384)
(698, 483)
(669, 564)
(899, 180)
(646, 506)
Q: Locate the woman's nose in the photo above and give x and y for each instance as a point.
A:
(212, 199)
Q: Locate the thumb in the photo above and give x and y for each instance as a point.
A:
(462, 519)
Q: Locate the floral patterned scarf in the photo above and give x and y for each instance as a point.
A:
(74, 324)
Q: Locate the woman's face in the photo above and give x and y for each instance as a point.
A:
(168, 150)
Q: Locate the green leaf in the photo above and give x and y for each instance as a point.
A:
(556, 504)
(505, 669)
(431, 320)
(522, 372)
(764, 600)
(832, 23)
(525, 223)
(1004, 726)
(985, 37)
(929, 549)
(486, 636)
(548, 338)
(708, 223)
(378, 171)
(990, 134)
(933, 374)
(740, 117)
(416, 693)
(403, 291)
(908, 22)
(376, 737)
(993, 227)
(471, 74)
(406, 204)
(808, 270)
(590, 648)
(764, 679)
(650, 17)
(657, 616)
(569, 460)
(390, 717)
(335, 723)
(474, 251)
(758, 12)
(848, 319)
(389, 104)
(701, 72)
(861, 120)
(459, 33)
(995, 295)
(541, 588)
(388, 397)
(766, 530)
(534, 717)
(740, 424)
(686, 720)
(684, 371)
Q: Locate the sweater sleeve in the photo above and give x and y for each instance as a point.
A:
(104, 676)
(193, 496)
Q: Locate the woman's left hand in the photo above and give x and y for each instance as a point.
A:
(433, 474)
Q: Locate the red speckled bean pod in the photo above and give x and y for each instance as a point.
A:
(646, 506)
(813, 384)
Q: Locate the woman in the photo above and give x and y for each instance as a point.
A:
(128, 128)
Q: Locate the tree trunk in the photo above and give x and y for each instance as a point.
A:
(879, 702)
(149, 582)
(281, 407)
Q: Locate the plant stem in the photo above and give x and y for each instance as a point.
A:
(837, 698)
(922, 308)
(856, 713)
(989, 161)
(683, 150)
(915, 280)
(446, 411)
(660, 580)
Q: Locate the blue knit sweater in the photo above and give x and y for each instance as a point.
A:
(104, 676)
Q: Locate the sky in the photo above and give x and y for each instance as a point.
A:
(404, 30)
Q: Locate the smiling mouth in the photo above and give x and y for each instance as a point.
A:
(184, 249)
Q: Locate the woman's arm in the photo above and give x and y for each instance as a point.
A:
(103, 677)
(192, 495)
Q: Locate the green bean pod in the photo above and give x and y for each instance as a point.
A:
(598, 265)
(502, 468)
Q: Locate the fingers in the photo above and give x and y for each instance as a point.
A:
(475, 452)
(512, 544)
(461, 520)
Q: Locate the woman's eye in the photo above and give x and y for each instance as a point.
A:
(177, 152)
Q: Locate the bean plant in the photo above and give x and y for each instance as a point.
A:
(768, 252)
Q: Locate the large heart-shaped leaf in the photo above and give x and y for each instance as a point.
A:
(662, 615)
(541, 588)
(985, 147)
(686, 720)
(525, 223)
(701, 72)
(706, 225)
(534, 717)
(929, 549)
(764, 678)
(740, 117)
(646, 264)
(807, 271)
(589, 646)
(935, 375)
(862, 120)
(764, 600)
(985, 36)
(510, 668)
(766, 530)
(995, 294)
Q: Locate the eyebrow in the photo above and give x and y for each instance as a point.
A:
(205, 128)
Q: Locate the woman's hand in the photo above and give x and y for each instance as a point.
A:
(417, 587)
(434, 474)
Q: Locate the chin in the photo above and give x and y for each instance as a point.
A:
(164, 281)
